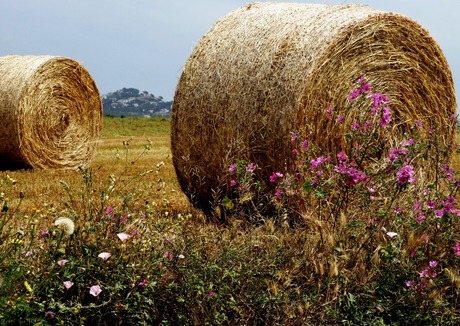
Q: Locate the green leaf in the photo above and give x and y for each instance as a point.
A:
(227, 203)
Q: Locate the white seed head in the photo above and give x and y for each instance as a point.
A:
(65, 224)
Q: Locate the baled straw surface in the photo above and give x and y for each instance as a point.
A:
(267, 69)
(50, 113)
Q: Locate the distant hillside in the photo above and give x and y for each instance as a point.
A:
(128, 102)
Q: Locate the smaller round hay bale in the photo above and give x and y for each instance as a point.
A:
(269, 68)
(50, 113)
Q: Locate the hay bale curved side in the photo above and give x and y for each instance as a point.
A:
(50, 113)
(267, 69)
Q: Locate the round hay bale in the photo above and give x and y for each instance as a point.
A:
(50, 113)
(267, 69)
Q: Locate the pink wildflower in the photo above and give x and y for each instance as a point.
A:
(329, 112)
(278, 193)
(355, 126)
(318, 161)
(439, 213)
(410, 283)
(378, 99)
(109, 211)
(424, 273)
(68, 284)
(366, 88)
(406, 175)
(232, 168)
(168, 255)
(433, 263)
(305, 145)
(386, 117)
(62, 262)
(450, 172)
(420, 218)
(395, 154)
(124, 218)
(251, 167)
(275, 175)
(417, 206)
(341, 118)
(342, 157)
(457, 249)
(367, 125)
(409, 142)
(143, 283)
(354, 94)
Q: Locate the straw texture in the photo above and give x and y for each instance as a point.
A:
(267, 69)
(50, 113)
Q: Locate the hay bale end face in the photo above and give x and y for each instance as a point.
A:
(267, 69)
(50, 113)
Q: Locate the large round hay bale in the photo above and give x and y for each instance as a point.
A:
(267, 69)
(50, 113)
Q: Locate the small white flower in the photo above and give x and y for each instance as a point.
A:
(68, 284)
(62, 262)
(95, 290)
(181, 256)
(390, 234)
(65, 224)
(123, 236)
(105, 255)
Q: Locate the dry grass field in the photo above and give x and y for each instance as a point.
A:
(135, 151)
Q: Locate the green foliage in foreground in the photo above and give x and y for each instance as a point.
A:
(354, 244)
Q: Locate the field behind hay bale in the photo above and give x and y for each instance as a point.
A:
(158, 261)
(129, 147)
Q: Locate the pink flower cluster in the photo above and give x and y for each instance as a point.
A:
(363, 88)
(351, 174)
(425, 276)
(457, 249)
(379, 101)
(406, 175)
(275, 176)
(316, 163)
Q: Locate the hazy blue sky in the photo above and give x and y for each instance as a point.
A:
(145, 43)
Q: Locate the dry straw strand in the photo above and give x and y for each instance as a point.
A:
(50, 113)
(267, 69)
